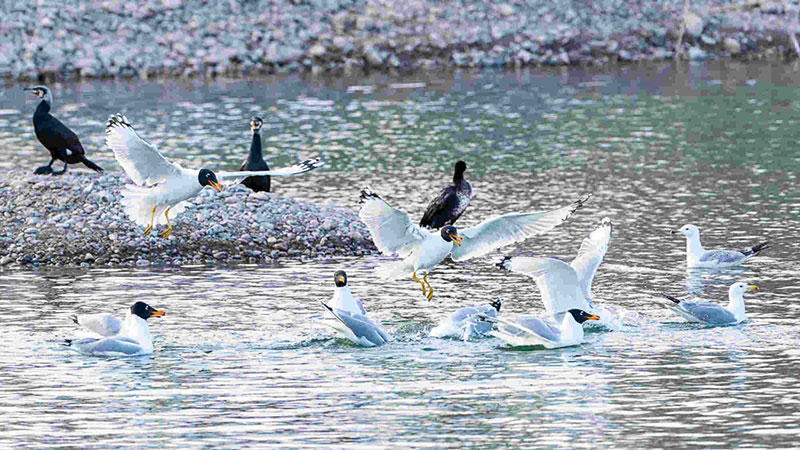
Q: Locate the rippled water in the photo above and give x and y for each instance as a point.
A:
(240, 360)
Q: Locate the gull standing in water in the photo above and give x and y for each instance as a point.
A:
(697, 256)
(349, 318)
(464, 322)
(566, 286)
(712, 313)
(162, 188)
(448, 206)
(120, 338)
(394, 234)
(528, 330)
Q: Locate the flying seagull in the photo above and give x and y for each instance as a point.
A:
(62, 142)
(349, 318)
(566, 286)
(131, 337)
(529, 330)
(255, 160)
(697, 256)
(711, 313)
(448, 206)
(162, 188)
(394, 234)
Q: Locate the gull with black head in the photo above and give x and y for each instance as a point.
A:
(421, 250)
(348, 316)
(118, 338)
(532, 331)
(162, 188)
(56, 137)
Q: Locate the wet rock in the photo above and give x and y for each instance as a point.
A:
(693, 24)
(731, 45)
(696, 53)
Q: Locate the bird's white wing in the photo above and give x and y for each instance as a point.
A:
(556, 280)
(140, 160)
(492, 234)
(391, 229)
(590, 255)
(103, 324)
(297, 169)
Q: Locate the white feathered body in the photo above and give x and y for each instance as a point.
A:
(173, 193)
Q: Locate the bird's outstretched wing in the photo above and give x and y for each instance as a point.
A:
(140, 159)
(556, 280)
(590, 255)
(297, 169)
(103, 324)
(391, 229)
(498, 232)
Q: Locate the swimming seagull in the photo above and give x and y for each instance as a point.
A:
(349, 318)
(162, 188)
(529, 330)
(464, 322)
(62, 142)
(712, 313)
(255, 160)
(448, 206)
(127, 338)
(394, 234)
(566, 286)
(697, 256)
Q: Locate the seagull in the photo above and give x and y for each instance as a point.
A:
(62, 142)
(162, 188)
(712, 313)
(119, 338)
(569, 286)
(421, 250)
(349, 318)
(448, 206)
(529, 330)
(255, 161)
(697, 256)
(464, 324)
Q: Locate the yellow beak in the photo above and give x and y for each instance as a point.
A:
(456, 238)
(158, 313)
(752, 288)
(593, 317)
(215, 185)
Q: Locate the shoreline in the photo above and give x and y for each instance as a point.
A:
(76, 220)
(190, 38)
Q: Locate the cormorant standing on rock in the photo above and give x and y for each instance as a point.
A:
(255, 161)
(448, 206)
(56, 137)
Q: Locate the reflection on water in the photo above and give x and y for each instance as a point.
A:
(240, 357)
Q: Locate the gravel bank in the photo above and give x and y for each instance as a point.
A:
(115, 38)
(76, 219)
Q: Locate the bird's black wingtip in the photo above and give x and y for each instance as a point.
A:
(74, 319)
(675, 300)
(367, 194)
(504, 263)
(496, 304)
(760, 247)
(67, 342)
(117, 120)
(312, 164)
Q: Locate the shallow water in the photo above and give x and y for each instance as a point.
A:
(240, 360)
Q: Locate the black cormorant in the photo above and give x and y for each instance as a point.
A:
(255, 161)
(448, 206)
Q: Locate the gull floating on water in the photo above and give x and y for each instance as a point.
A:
(349, 318)
(464, 322)
(712, 313)
(394, 234)
(120, 338)
(697, 256)
(566, 286)
(162, 187)
(448, 206)
(528, 330)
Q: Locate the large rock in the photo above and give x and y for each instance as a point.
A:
(731, 45)
(693, 24)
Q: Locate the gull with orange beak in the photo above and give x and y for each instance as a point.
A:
(421, 250)
(118, 338)
(541, 331)
(162, 188)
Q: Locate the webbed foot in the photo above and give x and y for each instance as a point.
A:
(44, 170)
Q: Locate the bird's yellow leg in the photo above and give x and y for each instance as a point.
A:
(167, 232)
(152, 217)
(430, 288)
(414, 276)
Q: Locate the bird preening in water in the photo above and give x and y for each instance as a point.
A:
(448, 206)
(62, 142)
(255, 159)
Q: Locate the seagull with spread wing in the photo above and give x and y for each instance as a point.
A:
(162, 187)
(394, 234)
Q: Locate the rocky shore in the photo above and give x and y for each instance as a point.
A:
(115, 38)
(76, 219)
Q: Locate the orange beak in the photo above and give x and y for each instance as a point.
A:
(456, 238)
(158, 313)
(593, 317)
(215, 185)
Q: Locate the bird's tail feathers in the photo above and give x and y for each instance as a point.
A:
(88, 163)
(394, 270)
(138, 205)
(67, 342)
(675, 300)
(755, 249)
